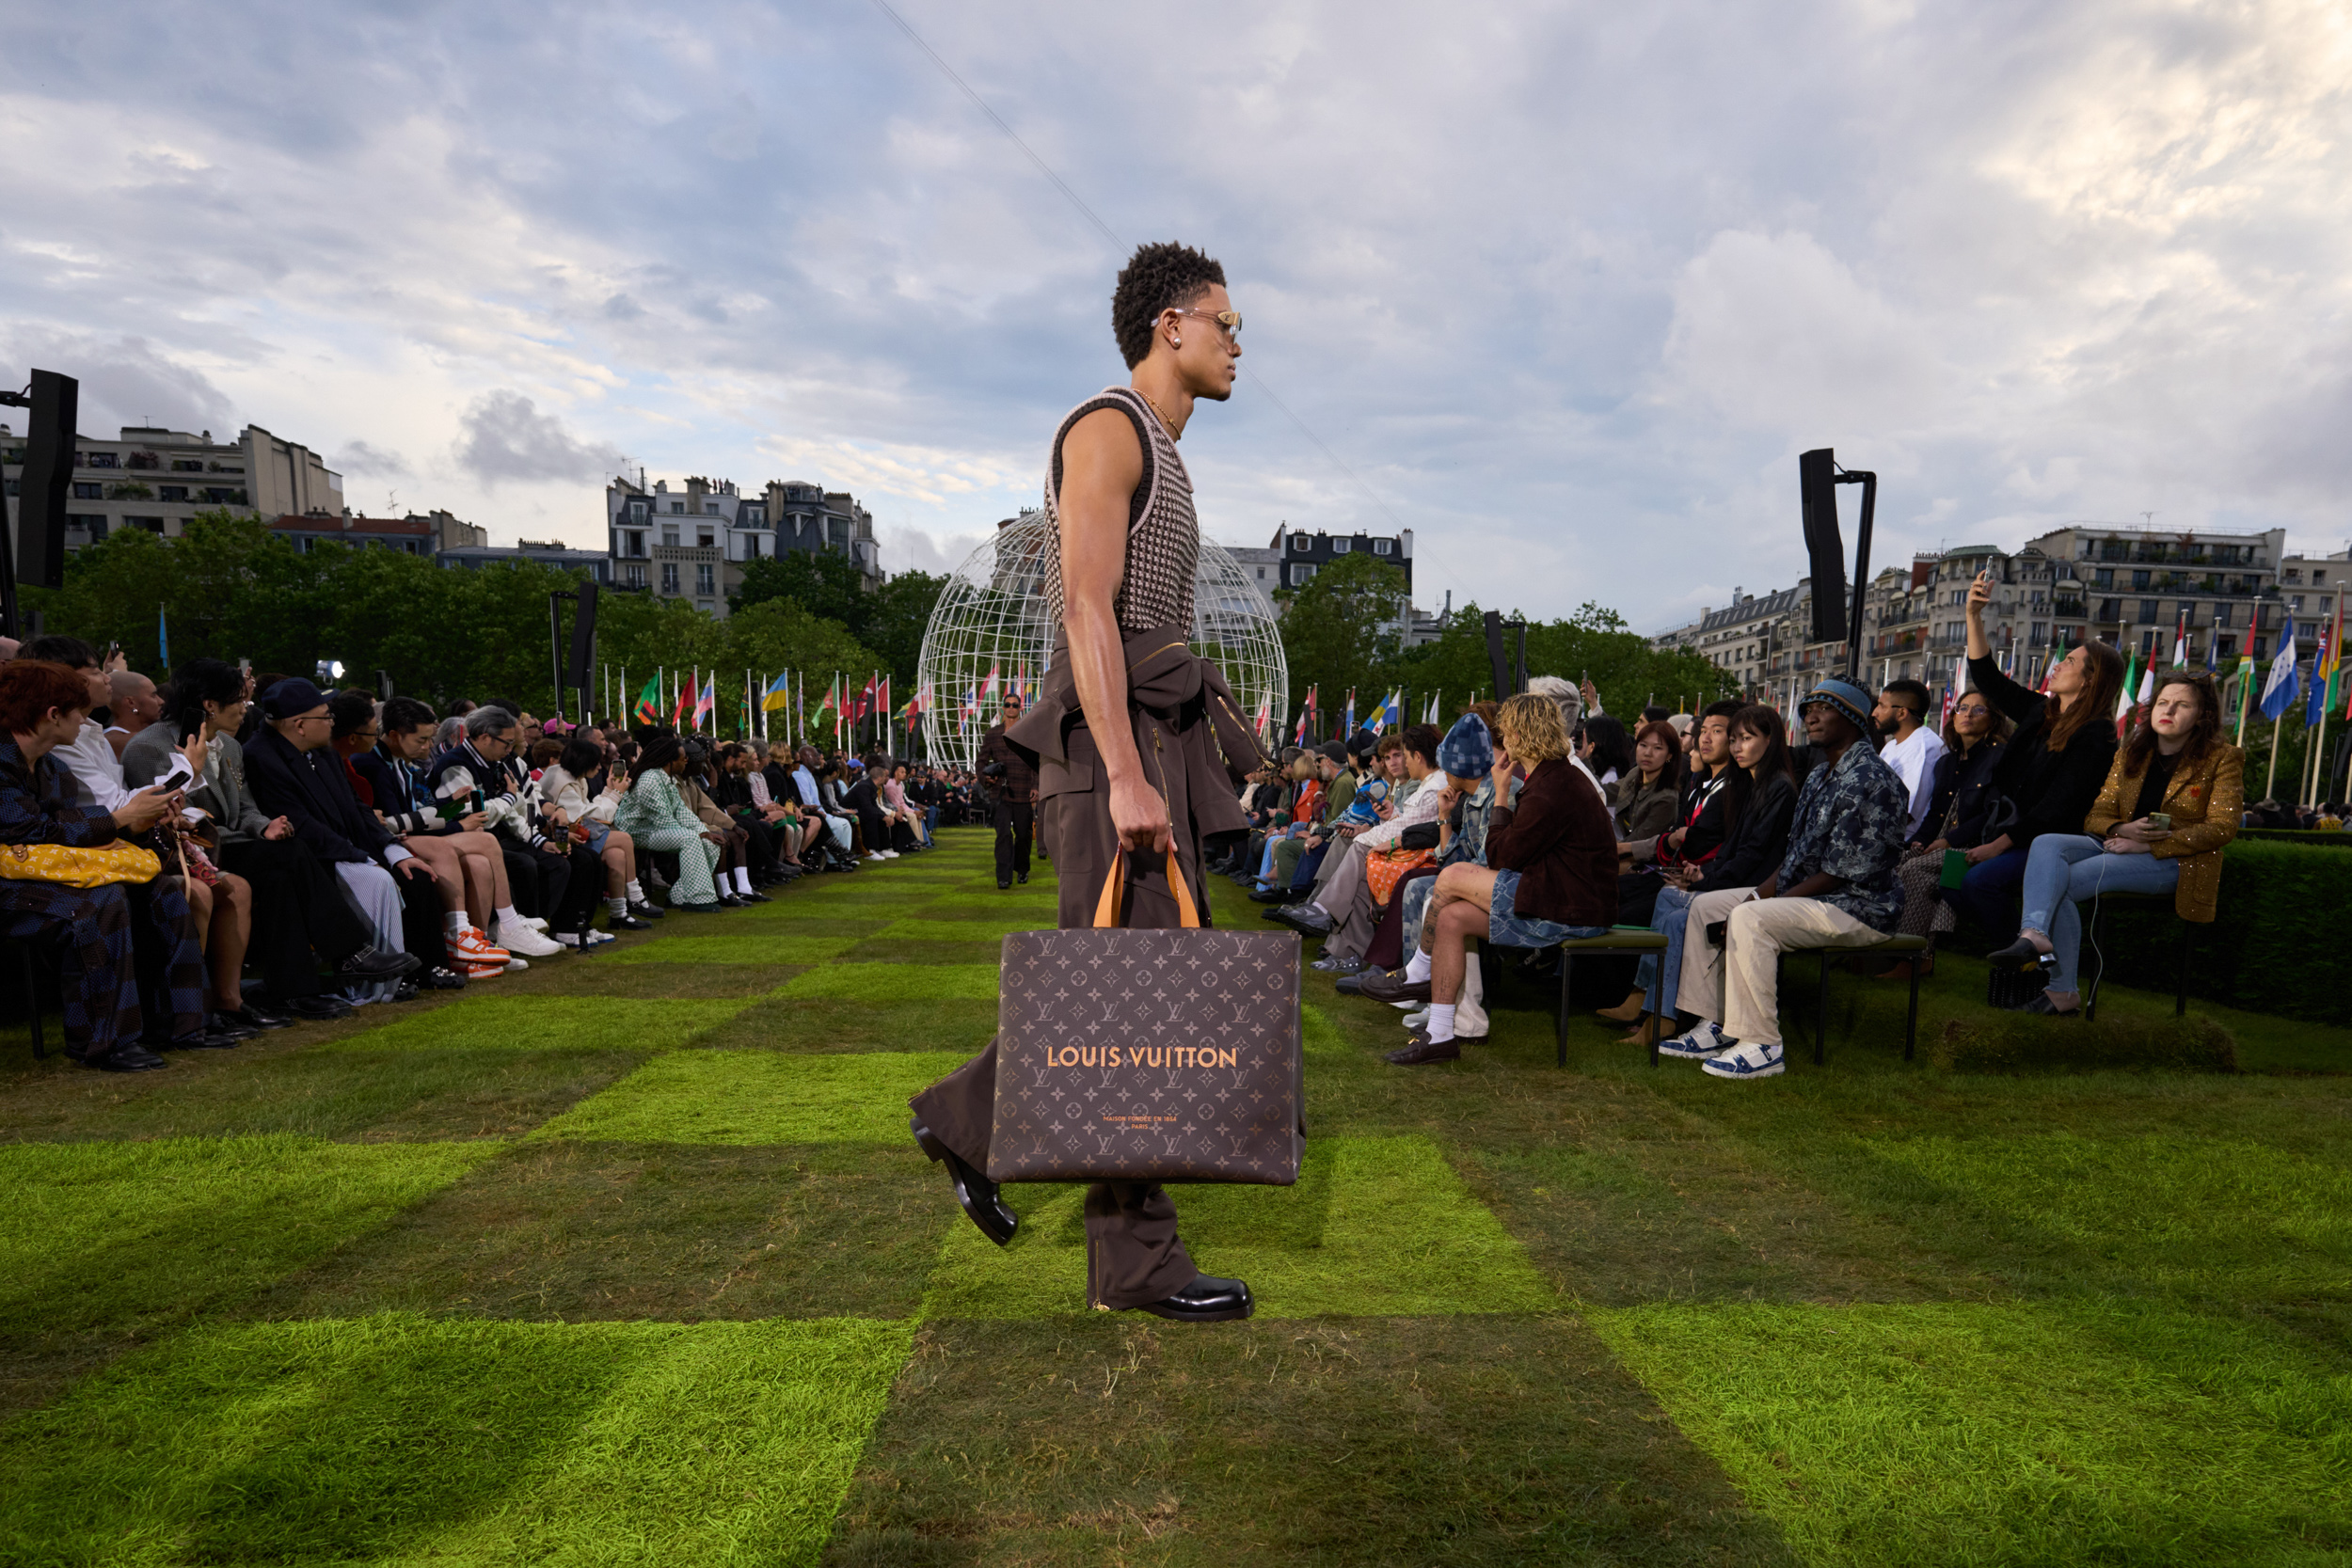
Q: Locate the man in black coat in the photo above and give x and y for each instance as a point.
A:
(295, 774)
(1011, 781)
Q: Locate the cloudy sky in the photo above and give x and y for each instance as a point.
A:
(1563, 288)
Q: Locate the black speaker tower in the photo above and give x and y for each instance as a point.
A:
(583, 646)
(1835, 617)
(36, 556)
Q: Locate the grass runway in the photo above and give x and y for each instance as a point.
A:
(628, 1259)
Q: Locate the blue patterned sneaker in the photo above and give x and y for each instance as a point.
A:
(1705, 1039)
(1745, 1061)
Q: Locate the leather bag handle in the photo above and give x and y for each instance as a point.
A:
(1110, 910)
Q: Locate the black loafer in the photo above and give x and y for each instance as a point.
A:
(1206, 1300)
(979, 1197)
(644, 911)
(755, 897)
(1306, 919)
(2040, 1003)
(696, 909)
(2020, 954)
(127, 1056)
(374, 963)
(318, 1008)
(1271, 895)
(252, 1017)
(1023, 878)
(1423, 1050)
(1004, 887)
(229, 1028)
(628, 923)
(203, 1039)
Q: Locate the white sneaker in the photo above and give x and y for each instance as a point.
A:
(1745, 1061)
(515, 966)
(1705, 1041)
(518, 939)
(534, 923)
(1415, 1020)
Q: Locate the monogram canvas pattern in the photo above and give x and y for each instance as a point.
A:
(1148, 1055)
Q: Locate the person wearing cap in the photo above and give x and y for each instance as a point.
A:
(294, 773)
(1835, 887)
(1013, 783)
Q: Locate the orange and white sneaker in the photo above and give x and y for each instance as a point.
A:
(474, 946)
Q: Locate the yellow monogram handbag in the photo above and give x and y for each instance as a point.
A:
(118, 861)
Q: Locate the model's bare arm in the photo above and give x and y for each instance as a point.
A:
(1102, 465)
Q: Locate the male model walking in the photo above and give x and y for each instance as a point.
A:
(1011, 779)
(1120, 736)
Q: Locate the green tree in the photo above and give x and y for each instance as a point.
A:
(823, 582)
(1342, 629)
(897, 615)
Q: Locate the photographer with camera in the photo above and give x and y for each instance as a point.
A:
(1012, 783)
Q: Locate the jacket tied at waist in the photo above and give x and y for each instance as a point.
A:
(1196, 749)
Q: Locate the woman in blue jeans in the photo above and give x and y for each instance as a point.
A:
(2051, 770)
(2172, 803)
(1761, 811)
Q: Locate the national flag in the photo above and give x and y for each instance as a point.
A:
(649, 703)
(1349, 728)
(882, 702)
(2323, 678)
(988, 687)
(706, 701)
(2127, 695)
(1949, 698)
(1430, 716)
(2286, 680)
(780, 694)
(1265, 715)
(1392, 711)
(2180, 641)
(163, 639)
(681, 714)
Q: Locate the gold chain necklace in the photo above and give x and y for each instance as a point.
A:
(1165, 423)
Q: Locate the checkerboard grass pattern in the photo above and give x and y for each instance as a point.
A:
(629, 1260)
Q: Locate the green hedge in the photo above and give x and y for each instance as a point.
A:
(2330, 838)
(2280, 942)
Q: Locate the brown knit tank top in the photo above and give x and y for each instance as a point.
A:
(1163, 532)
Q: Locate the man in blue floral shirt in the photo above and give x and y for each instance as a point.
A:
(1836, 888)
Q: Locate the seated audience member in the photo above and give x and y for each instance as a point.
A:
(578, 787)
(1469, 755)
(1569, 699)
(1302, 806)
(1907, 745)
(767, 780)
(737, 788)
(480, 777)
(1758, 804)
(1607, 751)
(2051, 770)
(357, 736)
(1647, 798)
(694, 788)
(1835, 888)
(1960, 813)
(1338, 781)
(87, 932)
(1706, 776)
(294, 773)
(301, 917)
(1345, 906)
(131, 706)
(88, 756)
(1552, 875)
(404, 798)
(2171, 805)
(861, 797)
(656, 816)
(896, 802)
(833, 838)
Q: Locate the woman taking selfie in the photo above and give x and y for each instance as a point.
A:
(2172, 803)
(1961, 814)
(2050, 771)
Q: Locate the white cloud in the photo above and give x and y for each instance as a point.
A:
(1568, 286)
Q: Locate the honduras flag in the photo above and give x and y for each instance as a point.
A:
(2278, 691)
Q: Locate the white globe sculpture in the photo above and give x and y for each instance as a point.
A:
(990, 619)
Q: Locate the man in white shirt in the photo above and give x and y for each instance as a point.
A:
(1908, 745)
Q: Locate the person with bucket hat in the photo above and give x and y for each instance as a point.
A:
(1836, 888)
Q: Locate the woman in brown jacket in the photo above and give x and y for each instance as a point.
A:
(2172, 801)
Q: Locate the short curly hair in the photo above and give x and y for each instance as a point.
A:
(1155, 277)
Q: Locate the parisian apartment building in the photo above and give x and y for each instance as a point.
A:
(693, 542)
(1293, 556)
(156, 479)
(2228, 594)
